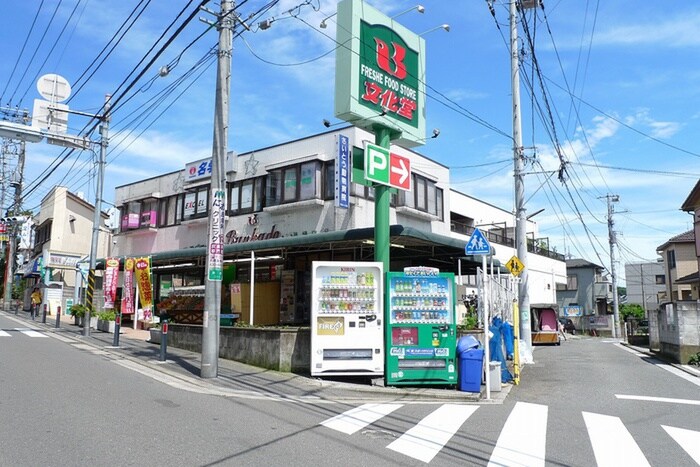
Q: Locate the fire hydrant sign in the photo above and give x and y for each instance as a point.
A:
(383, 166)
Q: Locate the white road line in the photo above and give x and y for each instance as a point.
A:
(353, 420)
(630, 350)
(5, 333)
(30, 332)
(670, 368)
(688, 439)
(658, 399)
(523, 440)
(613, 445)
(426, 439)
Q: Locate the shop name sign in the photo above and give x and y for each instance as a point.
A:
(380, 73)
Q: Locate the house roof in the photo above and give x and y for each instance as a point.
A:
(693, 278)
(685, 237)
(693, 199)
(581, 263)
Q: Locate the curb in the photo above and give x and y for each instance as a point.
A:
(685, 368)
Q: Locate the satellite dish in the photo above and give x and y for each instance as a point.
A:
(53, 88)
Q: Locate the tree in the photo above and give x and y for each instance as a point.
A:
(632, 310)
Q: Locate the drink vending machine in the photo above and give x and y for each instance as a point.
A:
(421, 331)
(347, 318)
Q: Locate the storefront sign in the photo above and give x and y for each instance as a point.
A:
(342, 173)
(143, 278)
(233, 236)
(380, 76)
(215, 267)
(58, 260)
(197, 170)
(109, 286)
(127, 293)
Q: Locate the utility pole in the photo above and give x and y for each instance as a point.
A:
(12, 228)
(613, 240)
(518, 165)
(644, 297)
(217, 204)
(97, 219)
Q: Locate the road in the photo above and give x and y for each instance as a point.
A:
(67, 400)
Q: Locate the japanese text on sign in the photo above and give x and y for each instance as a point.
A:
(342, 173)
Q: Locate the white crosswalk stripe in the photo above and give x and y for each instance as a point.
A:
(612, 444)
(522, 440)
(25, 331)
(30, 332)
(514, 449)
(353, 420)
(689, 440)
(428, 437)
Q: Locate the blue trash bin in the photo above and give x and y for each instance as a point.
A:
(471, 362)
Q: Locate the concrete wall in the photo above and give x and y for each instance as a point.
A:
(679, 330)
(281, 349)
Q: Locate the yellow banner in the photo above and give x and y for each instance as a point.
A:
(143, 279)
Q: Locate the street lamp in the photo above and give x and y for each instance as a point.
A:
(323, 24)
(419, 8)
(445, 26)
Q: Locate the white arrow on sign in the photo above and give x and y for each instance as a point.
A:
(402, 171)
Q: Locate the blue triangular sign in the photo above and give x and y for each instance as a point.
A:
(477, 244)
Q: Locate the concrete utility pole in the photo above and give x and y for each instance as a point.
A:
(518, 163)
(12, 228)
(217, 206)
(97, 219)
(613, 240)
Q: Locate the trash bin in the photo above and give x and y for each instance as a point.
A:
(495, 376)
(471, 362)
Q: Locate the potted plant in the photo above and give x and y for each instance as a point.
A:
(77, 311)
(155, 332)
(106, 321)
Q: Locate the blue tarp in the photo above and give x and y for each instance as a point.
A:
(496, 349)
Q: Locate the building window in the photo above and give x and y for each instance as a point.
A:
(246, 196)
(196, 203)
(660, 279)
(149, 213)
(425, 196)
(309, 180)
(671, 259)
(170, 210)
(571, 283)
(329, 181)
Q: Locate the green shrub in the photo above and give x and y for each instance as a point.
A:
(107, 315)
(78, 310)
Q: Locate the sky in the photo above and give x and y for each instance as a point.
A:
(614, 94)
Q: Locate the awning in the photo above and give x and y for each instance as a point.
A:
(407, 244)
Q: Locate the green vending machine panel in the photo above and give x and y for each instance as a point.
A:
(420, 328)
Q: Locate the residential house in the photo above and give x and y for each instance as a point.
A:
(681, 263)
(586, 296)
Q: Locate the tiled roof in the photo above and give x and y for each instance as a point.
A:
(685, 237)
(581, 263)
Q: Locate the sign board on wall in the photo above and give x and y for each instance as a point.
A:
(342, 173)
(380, 73)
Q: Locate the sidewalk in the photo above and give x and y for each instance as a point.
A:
(690, 369)
(238, 379)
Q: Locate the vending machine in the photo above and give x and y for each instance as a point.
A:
(421, 331)
(347, 318)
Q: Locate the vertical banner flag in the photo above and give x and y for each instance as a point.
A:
(127, 293)
(109, 286)
(215, 266)
(143, 278)
(342, 173)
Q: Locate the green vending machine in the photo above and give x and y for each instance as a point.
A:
(420, 328)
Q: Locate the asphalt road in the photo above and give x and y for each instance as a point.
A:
(65, 400)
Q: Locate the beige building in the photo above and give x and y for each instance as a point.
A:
(62, 240)
(681, 262)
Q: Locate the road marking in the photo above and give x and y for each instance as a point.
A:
(513, 447)
(612, 443)
(670, 368)
(658, 399)
(630, 350)
(354, 420)
(5, 333)
(688, 439)
(426, 439)
(30, 332)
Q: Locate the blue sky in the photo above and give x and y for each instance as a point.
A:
(630, 128)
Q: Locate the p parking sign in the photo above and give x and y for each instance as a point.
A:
(386, 168)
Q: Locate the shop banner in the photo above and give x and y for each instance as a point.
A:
(143, 278)
(127, 293)
(109, 287)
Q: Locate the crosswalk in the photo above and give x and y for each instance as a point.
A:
(23, 331)
(522, 440)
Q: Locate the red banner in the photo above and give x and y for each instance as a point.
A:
(109, 286)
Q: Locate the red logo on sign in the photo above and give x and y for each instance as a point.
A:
(399, 171)
(393, 65)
